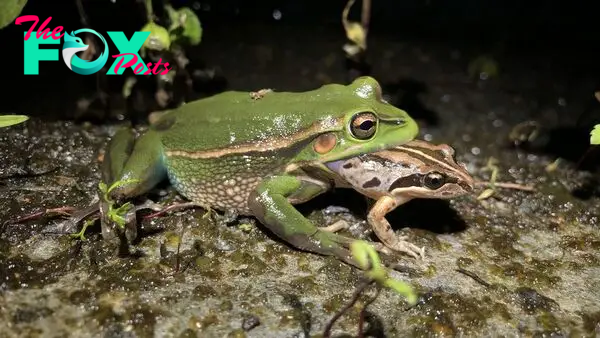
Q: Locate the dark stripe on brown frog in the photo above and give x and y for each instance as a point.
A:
(415, 181)
(374, 182)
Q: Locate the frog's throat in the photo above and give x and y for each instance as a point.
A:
(272, 144)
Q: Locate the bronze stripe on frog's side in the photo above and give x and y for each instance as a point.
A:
(273, 144)
(439, 155)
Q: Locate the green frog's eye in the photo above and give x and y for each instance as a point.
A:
(434, 180)
(363, 125)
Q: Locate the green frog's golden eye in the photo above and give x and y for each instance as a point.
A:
(363, 125)
(434, 180)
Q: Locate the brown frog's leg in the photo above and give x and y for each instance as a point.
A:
(384, 231)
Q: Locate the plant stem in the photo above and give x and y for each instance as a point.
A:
(149, 11)
(361, 320)
(355, 296)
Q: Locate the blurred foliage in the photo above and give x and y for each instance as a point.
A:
(10, 10)
(184, 29)
(185, 26)
(595, 135)
(9, 120)
(483, 67)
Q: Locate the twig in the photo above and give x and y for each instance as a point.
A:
(361, 318)
(474, 276)
(355, 296)
(507, 185)
(171, 207)
(366, 16)
(64, 211)
(149, 11)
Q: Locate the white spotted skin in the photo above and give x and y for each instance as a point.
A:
(222, 184)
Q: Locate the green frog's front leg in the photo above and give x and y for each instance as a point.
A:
(270, 203)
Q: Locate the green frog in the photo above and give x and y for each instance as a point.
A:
(260, 153)
(392, 177)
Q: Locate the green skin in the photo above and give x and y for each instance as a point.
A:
(256, 155)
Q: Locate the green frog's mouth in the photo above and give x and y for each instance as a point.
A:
(335, 165)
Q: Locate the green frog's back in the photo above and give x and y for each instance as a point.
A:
(236, 118)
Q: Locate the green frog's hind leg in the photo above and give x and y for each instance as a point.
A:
(138, 165)
(270, 203)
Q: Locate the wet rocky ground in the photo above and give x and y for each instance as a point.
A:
(515, 264)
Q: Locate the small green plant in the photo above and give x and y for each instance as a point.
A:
(493, 167)
(116, 215)
(595, 135)
(369, 261)
(80, 234)
(185, 29)
(9, 120)
(375, 273)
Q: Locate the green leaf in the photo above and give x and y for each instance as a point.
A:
(9, 120)
(595, 135)
(185, 26)
(368, 259)
(402, 288)
(192, 30)
(159, 37)
(10, 10)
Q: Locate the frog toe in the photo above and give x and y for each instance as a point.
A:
(404, 246)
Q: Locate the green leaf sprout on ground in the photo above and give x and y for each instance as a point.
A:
(116, 215)
(369, 261)
(80, 234)
(367, 258)
(9, 120)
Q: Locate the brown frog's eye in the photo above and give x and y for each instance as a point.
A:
(434, 180)
(363, 125)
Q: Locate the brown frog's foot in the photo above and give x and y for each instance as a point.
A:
(402, 245)
(342, 224)
(336, 226)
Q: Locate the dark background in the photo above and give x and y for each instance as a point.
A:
(557, 38)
